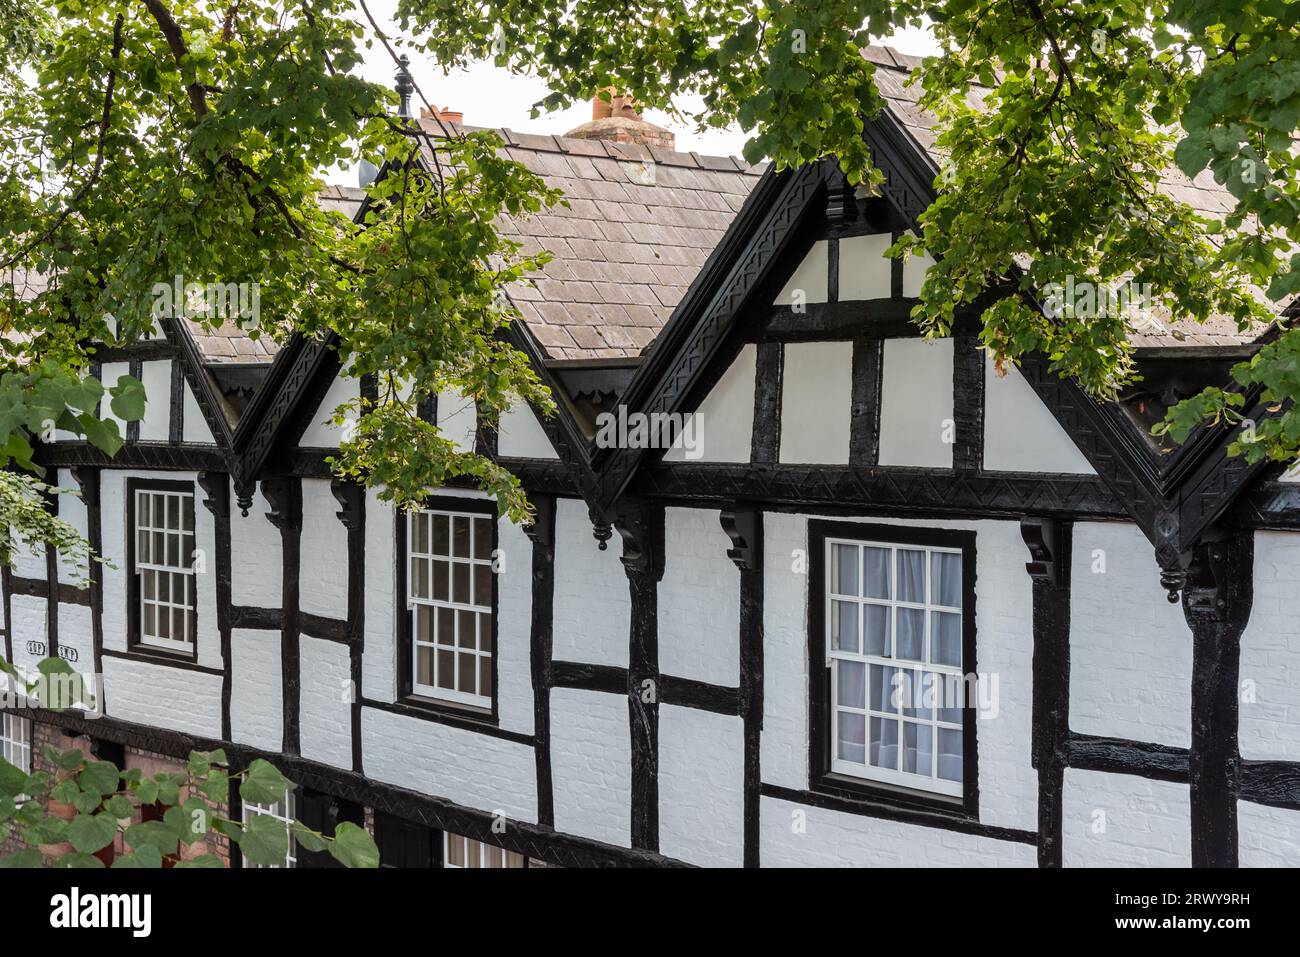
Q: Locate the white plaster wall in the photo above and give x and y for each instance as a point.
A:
(72, 510)
(29, 560)
(325, 710)
(109, 373)
(1121, 820)
(322, 433)
(194, 427)
(76, 633)
(457, 419)
(257, 561)
(156, 377)
(591, 765)
(816, 402)
(323, 584)
(592, 604)
(256, 689)
(916, 403)
(1267, 836)
(865, 273)
(1270, 654)
(1020, 433)
(163, 697)
(701, 787)
(29, 625)
(699, 600)
(1004, 652)
(1130, 649)
(724, 421)
(795, 835)
(811, 276)
(476, 770)
(914, 269)
(514, 628)
(379, 663)
(520, 434)
(113, 516)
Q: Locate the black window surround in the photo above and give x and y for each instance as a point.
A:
(405, 639)
(822, 779)
(135, 646)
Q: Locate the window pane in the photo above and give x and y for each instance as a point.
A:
(916, 748)
(850, 684)
(951, 691)
(883, 681)
(164, 586)
(844, 569)
(150, 626)
(423, 665)
(460, 583)
(910, 634)
(482, 538)
(485, 633)
(468, 667)
(420, 578)
(147, 583)
(875, 630)
(420, 531)
(917, 694)
(173, 511)
(852, 737)
(446, 668)
(945, 580)
(424, 624)
(446, 626)
(460, 537)
(884, 743)
(949, 754)
(483, 585)
(945, 638)
(465, 629)
(441, 571)
(844, 626)
(911, 575)
(159, 519)
(877, 572)
(485, 677)
(142, 548)
(455, 850)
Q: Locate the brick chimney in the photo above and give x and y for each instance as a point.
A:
(619, 122)
(446, 114)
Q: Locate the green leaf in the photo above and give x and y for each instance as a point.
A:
(78, 860)
(263, 783)
(308, 839)
(128, 399)
(119, 806)
(12, 781)
(101, 777)
(354, 847)
(158, 834)
(203, 860)
(217, 786)
(91, 832)
(29, 857)
(146, 856)
(264, 840)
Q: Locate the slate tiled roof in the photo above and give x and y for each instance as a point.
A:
(1203, 194)
(639, 224)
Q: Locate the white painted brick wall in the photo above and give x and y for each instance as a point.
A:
(257, 564)
(72, 510)
(591, 765)
(514, 628)
(75, 632)
(321, 433)
(323, 588)
(1146, 823)
(592, 603)
(156, 377)
(1130, 649)
(701, 787)
(520, 434)
(1270, 654)
(194, 427)
(473, 769)
(1004, 649)
(29, 625)
(1267, 836)
(699, 600)
(175, 698)
(835, 839)
(29, 560)
(256, 689)
(325, 715)
(379, 663)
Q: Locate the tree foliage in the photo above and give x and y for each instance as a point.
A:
(160, 138)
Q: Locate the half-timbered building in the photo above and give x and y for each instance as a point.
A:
(733, 653)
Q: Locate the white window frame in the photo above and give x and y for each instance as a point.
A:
(142, 513)
(866, 771)
(16, 741)
(283, 811)
(488, 855)
(484, 613)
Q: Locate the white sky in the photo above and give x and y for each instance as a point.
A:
(492, 96)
